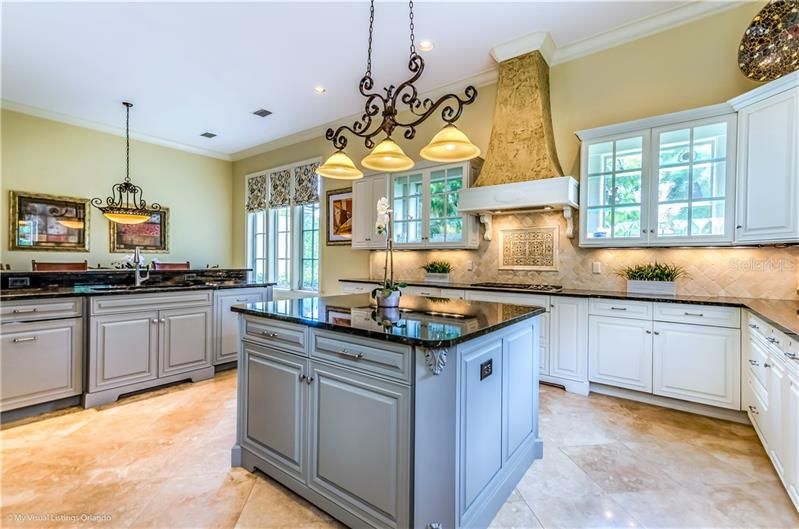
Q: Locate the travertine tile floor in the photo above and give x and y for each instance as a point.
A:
(161, 460)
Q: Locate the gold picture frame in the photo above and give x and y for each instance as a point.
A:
(151, 236)
(339, 217)
(47, 223)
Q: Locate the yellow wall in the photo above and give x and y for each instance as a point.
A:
(44, 156)
(685, 67)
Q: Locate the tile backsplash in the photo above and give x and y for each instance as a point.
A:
(741, 272)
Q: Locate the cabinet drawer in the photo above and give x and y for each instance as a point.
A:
(757, 327)
(379, 358)
(357, 288)
(143, 302)
(509, 297)
(758, 357)
(698, 314)
(42, 361)
(41, 309)
(758, 408)
(276, 334)
(639, 310)
(428, 292)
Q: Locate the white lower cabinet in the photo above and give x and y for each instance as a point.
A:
(568, 338)
(792, 436)
(620, 352)
(697, 363)
(778, 399)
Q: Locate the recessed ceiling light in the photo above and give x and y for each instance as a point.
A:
(425, 45)
(262, 112)
(208, 135)
(319, 89)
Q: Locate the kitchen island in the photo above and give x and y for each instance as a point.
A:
(424, 416)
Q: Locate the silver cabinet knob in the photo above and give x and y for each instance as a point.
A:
(754, 363)
(649, 332)
(753, 409)
(302, 377)
(766, 364)
(154, 320)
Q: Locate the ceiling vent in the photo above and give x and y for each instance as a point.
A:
(208, 135)
(262, 112)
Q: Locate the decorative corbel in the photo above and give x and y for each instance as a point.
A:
(435, 359)
(568, 214)
(487, 221)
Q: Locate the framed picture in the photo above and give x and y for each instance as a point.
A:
(48, 222)
(339, 217)
(151, 236)
(529, 249)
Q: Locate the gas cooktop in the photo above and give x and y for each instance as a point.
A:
(528, 287)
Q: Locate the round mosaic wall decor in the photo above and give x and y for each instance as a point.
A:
(770, 45)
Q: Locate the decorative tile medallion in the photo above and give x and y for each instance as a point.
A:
(529, 249)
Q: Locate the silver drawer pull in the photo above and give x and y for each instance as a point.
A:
(754, 410)
(356, 356)
(241, 300)
(753, 363)
(26, 339)
(772, 340)
(792, 356)
(766, 364)
(424, 293)
(753, 326)
(699, 314)
(25, 311)
(618, 308)
(269, 334)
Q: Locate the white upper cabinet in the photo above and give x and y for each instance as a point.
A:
(768, 163)
(425, 207)
(365, 194)
(662, 181)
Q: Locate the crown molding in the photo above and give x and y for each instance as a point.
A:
(688, 12)
(538, 41)
(108, 129)
(482, 79)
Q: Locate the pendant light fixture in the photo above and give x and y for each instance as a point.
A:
(449, 145)
(126, 205)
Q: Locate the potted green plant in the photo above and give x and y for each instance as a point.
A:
(652, 278)
(437, 271)
(387, 295)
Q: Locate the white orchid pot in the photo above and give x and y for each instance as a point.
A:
(388, 302)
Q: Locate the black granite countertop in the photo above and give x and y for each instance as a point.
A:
(782, 313)
(425, 322)
(24, 294)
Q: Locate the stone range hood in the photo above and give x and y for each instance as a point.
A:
(521, 170)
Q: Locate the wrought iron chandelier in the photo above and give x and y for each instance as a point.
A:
(126, 205)
(380, 116)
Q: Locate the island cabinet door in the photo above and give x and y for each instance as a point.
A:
(620, 352)
(226, 346)
(123, 349)
(481, 417)
(521, 390)
(274, 407)
(359, 444)
(185, 340)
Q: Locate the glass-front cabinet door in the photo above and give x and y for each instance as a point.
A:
(613, 190)
(425, 204)
(694, 178)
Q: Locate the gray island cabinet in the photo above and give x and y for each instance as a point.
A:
(423, 417)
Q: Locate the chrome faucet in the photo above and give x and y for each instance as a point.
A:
(139, 279)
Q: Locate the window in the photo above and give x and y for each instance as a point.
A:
(283, 242)
(615, 178)
(692, 181)
(664, 186)
(407, 216)
(445, 223)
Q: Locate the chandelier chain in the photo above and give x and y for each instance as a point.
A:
(371, 29)
(413, 45)
(127, 142)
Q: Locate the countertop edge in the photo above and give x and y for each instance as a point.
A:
(366, 333)
(746, 303)
(9, 296)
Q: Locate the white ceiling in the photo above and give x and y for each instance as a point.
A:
(195, 67)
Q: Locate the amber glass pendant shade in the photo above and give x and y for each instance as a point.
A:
(450, 145)
(127, 218)
(387, 156)
(340, 167)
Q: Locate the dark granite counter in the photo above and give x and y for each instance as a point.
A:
(24, 294)
(425, 322)
(783, 314)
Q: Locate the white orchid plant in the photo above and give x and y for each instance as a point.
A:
(383, 226)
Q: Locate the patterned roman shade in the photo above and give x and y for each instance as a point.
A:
(306, 184)
(280, 189)
(256, 193)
